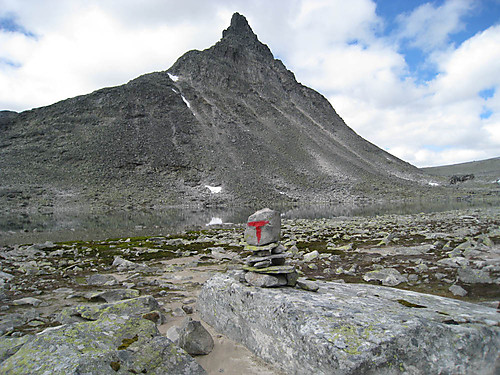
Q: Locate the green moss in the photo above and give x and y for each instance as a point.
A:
(127, 342)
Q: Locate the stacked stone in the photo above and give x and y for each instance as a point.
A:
(266, 267)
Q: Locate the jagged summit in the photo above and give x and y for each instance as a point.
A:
(230, 116)
(239, 27)
(239, 39)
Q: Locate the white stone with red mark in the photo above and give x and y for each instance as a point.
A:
(263, 227)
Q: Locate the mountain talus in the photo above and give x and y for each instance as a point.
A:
(229, 116)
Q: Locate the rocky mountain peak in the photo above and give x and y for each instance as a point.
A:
(234, 118)
(239, 28)
(240, 36)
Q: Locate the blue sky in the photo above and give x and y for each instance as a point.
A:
(419, 79)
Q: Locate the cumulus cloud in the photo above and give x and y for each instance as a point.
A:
(56, 49)
(429, 27)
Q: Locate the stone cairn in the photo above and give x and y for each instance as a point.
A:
(266, 266)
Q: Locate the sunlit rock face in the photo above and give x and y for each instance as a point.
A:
(354, 328)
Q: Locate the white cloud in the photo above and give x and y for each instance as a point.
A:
(88, 50)
(428, 27)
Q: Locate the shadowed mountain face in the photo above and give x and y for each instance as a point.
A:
(229, 116)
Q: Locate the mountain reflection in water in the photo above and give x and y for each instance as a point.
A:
(72, 226)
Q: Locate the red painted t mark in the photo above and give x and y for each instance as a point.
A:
(258, 227)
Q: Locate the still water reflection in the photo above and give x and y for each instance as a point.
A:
(69, 226)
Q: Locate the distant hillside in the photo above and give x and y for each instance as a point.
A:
(486, 170)
(227, 125)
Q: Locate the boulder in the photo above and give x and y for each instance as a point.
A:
(472, 276)
(27, 301)
(387, 276)
(112, 295)
(102, 279)
(457, 290)
(309, 257)
(265, 281)
(194, 338)
(263, 227)
(118, 341)
(307, 285)
(354, 328)
(123, 264)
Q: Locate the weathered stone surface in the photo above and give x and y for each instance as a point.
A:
(123, 264)
(10, 345)
(271, 270)
(112, 295)
(354, 328)
(277, 259)
(388, 276)
(291, 278)
(98, 279)
(309, 257)
(261, 249)
(27, 301)
(194, 338)
(472, 276)
(307, 285)
(457, 290)
(134, 306)
(279, 249)
(111, 344)
(263, 227)
(264, 280)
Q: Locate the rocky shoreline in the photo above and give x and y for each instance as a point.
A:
(453, 254)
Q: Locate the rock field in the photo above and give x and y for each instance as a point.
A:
(55, 291)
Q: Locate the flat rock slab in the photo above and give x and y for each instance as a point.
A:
(284, 269)
(113, 340)
(354, 328)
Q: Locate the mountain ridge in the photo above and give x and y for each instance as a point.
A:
(231, 116)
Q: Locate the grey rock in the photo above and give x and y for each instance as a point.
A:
(271, 270)
(178, 312)
(354, 328)
(261, 250)
(187, 309)
(194, 338)
(388, 276)
(10, 345)
(268, 230)
(132, 307)
(274, 259)
(292, 278)
(112, 295)
(112, 344)
(280, 249)
(454, 262)
(27, 301)
(220, 253)
(123, 264)
(264, 280)
(457, 290)
(173, 334)
(309, 257)
(4, 276)
(98, 279)
(45, 246)
(472, 276)
(263, 264)
(307, 285)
